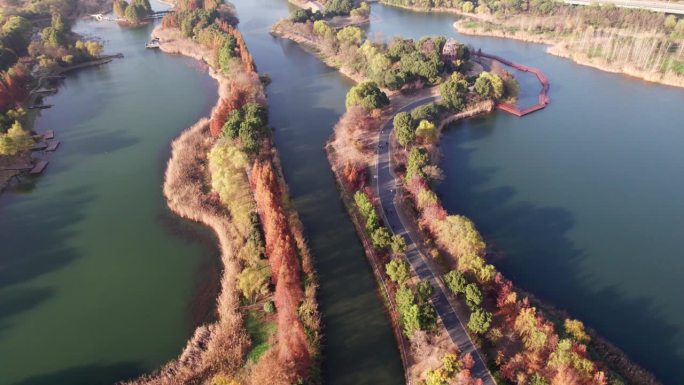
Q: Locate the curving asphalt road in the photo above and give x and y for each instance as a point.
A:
(386, 186)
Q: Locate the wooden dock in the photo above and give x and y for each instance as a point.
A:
(52, 146)
(40, 146)
(39, 167)
(49, 134)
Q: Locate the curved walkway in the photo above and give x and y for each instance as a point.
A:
(386, 185)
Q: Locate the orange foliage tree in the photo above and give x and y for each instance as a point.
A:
(285, 269)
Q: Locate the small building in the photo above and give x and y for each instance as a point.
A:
(451, 49)
(314, 6)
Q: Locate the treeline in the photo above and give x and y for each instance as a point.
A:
(56, 48)
(332, 9)
(40, 10)
(134, 12)
(275, 280)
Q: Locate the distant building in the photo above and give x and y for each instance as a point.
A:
(314, 6)
(451, 49)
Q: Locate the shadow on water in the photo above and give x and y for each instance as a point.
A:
(539, 237)
(25, 258)
(87, 375)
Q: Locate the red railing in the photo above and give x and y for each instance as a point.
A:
(543, 99)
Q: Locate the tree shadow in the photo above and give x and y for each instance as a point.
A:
(535, 251)
(35, 240)
(87, 375)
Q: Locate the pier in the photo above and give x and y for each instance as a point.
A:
(543, 98)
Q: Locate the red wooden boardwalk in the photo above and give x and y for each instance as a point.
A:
(543, 99)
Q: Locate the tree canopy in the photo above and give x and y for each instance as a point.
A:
(367, 95)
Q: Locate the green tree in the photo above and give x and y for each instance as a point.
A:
(398, 244)
(480, 320)
(467, 7)
(363, 204)
(15, 140)
(339, 7)
(119, 7)
(428, 111)
(456, 281)
(367, 95)
(253, 283)
(538, 379)
(16, 34)
(454, 91)
(489, 86)
(351, 35)
(381, 238)
(404, 128)
(323, 29)
(227, 53)
(398, 270)
(424, 290)
(473, 295)
(417, 159)
(231, 128)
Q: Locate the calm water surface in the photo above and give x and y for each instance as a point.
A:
(97, 277)
(583, 200)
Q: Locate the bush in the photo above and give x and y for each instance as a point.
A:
(428, 111)
(427, 131)
(381, 238)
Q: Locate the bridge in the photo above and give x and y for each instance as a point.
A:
(543, 98)
(152, 16)
(650, 5)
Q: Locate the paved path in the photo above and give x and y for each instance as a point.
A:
(385, 184)
(651, 5)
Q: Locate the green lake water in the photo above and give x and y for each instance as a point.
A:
(99, 281)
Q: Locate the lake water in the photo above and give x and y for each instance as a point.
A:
(581, 201)
(98, 280)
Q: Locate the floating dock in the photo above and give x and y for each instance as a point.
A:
(49, 134)
(53, 145)
(39, 167)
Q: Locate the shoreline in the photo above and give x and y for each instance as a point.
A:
(555, 47)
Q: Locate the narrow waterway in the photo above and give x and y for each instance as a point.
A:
(98, 280)
(582, 200)
(305, 101)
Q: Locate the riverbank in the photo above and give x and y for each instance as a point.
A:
(559, 47)
(217, 351)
